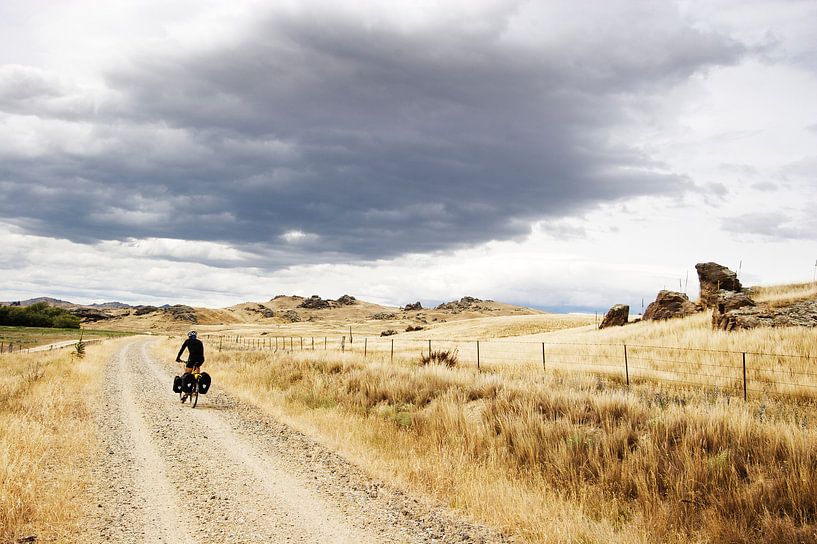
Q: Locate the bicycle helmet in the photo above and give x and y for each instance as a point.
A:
(191, 334)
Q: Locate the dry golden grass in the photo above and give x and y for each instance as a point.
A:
(554, 457)
(791, 292)
(45, 439)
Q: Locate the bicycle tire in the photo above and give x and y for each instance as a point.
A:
(194, 395)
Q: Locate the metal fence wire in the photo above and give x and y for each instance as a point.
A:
(740, 372)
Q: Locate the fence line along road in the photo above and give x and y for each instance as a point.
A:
(740, 372)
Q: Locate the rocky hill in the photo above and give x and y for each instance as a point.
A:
(279, 310)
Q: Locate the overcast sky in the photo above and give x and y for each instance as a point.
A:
(558, 154)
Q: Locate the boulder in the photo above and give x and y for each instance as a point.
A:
(383, 316)
(668, 305)
(616, 316)
(416, 307)
(390, 332)
(713, 279)
(346, 300)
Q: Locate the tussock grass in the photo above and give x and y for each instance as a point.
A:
(45, 439)
(554, 457)
(442, 357)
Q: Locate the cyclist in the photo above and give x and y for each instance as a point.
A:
(195, 352)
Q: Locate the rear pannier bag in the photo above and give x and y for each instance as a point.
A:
(187, 383)
(204, 383)
(177, 384)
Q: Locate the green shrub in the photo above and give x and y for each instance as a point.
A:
(38, 315)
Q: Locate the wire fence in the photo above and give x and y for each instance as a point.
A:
(11, 347)
(742, 373)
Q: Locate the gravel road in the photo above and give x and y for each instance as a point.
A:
(226, 472)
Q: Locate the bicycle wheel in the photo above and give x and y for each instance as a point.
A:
(194, 395)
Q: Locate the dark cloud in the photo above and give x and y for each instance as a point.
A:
(317, 133)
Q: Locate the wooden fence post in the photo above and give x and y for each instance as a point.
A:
(477, 355)
(365, 346)
(392, 350)
(626, 366)
(543, 357)
(313, 343)
(745, 390)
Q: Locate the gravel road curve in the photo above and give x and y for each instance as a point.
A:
(226, 472)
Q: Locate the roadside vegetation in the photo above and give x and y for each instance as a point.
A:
(46, 438)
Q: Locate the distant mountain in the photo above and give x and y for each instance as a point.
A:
(66, 304)
(52, 301)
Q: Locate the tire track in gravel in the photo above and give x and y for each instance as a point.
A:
(225, 472)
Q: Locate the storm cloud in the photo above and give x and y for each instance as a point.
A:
(318, 133)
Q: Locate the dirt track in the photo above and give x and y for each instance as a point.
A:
(224, 472)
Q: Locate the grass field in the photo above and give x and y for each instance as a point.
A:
(27, 337)
(560, 455)
(46, 436)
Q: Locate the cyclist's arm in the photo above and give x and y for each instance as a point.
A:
(184, 346)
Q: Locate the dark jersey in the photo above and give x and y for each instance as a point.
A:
(195, 350)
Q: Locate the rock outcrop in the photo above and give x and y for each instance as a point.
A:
(315, 303)
(263, 310)
(87, 314)
(384, 316)
(292, 316)
(180, 312)
(740, 312)
(668, 305)
(616, 316)
(144, 310)
(416, 307)
(462, 305)
(346, 300)
(713, 279)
